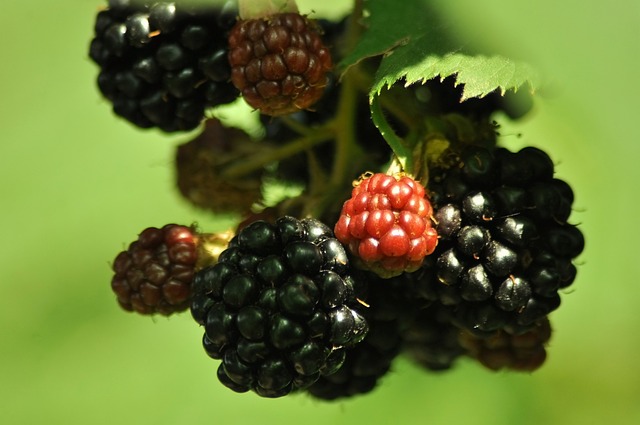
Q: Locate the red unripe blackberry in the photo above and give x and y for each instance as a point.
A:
(153, 275)
(387, 224)
(279, 63)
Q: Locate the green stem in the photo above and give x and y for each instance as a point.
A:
(395, 105)
(261, 158)
(347, 151)
(398, 146)
(296, 126)
(346, 148)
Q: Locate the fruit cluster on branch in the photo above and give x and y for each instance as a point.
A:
(434, 241)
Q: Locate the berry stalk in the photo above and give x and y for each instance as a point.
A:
(261, 159)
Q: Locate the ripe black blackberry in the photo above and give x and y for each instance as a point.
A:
(162, 64)
(391, 308)
(432, 340)
(279, 307)
(506, 248)
(364, 365)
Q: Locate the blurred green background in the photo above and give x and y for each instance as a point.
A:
(77, 185)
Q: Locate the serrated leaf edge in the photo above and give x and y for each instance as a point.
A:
(460, 68)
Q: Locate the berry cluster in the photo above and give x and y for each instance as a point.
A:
(154, 274)
(386, 224)
(441, 247)
(506, 248)
(279, 64)
(279, 307)
(162, 65)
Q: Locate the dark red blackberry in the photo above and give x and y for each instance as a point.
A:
(279, 307)
(524, 352)
(199, 164)
(505, 247)
(153, 276)
(387, 224)
(162, 64)
(279, 63)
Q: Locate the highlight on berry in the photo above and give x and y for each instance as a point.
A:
(368, 225)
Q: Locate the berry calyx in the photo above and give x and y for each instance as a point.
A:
(387, 224)
(279, 63)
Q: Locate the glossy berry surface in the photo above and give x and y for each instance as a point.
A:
(391, 308)
(279, 63)
(153, 276)
(506, 247)
(387, 224)
(162, 64)
(279, 307)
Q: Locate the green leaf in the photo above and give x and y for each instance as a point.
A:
(389, 24)
(479, 74)
(417, 45)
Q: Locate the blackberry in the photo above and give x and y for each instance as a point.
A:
(279, 307)
(162, 64)
(505, 247)
(153, 275)
(279, 63)
(364, 365)
(199, 164)
(391, 309)
(432, 340)
(387, 224)
(524, 352)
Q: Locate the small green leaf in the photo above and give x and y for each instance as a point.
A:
(417, 45)
(479, 74)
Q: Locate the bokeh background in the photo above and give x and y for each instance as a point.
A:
(77, 184)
